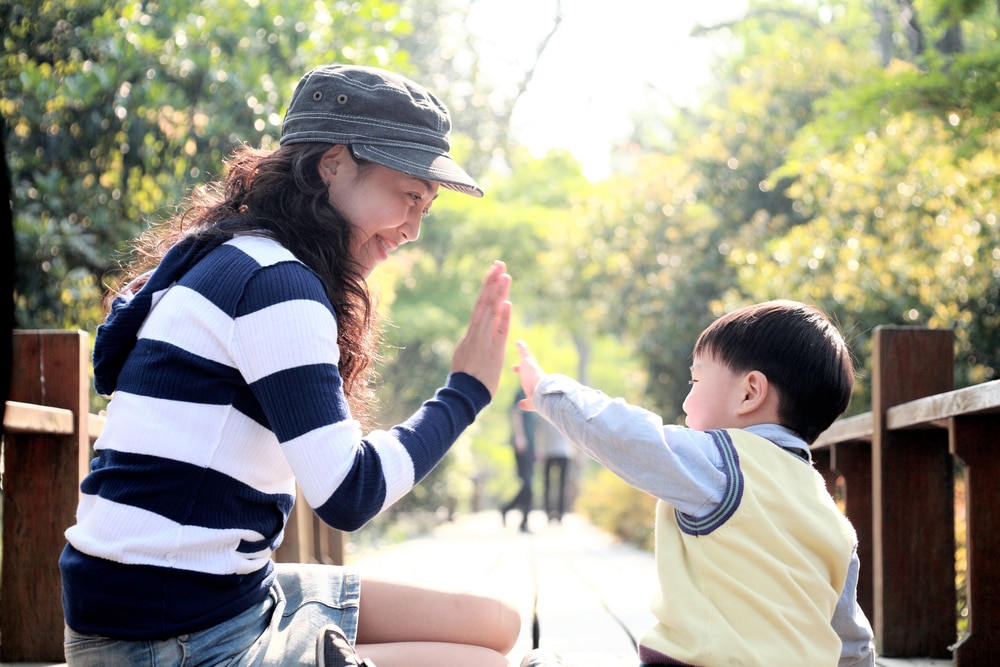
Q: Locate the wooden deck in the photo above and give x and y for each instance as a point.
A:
(591, 593)
(588, 593)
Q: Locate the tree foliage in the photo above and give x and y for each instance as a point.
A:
(116, 109)
(897, 175)
(829, 160)
(844, 152)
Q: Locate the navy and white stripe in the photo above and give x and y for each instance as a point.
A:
(229, 394)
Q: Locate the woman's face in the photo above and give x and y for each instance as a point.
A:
(384, 206)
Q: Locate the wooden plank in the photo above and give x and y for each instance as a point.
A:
(581, 580)
(594, 594)
(27, 418)
(930, 411)
(937, 410)
(95, 424)
(41, 491)
(846, 469)
(856, 428)
(973, 439)
(913, 522)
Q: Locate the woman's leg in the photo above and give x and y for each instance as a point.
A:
(431, 654)
(409, 621)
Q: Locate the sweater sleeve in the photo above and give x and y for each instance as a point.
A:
(287, 351)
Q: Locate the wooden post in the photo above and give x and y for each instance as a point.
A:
(329, 543)
(973, 439)
(853, 460)
(297, 543)
(823, 462)
(307, 539)
(41, 491)
(912, 495)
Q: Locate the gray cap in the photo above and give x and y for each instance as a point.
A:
(385, 118)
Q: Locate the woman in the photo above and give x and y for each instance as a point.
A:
(240, 355)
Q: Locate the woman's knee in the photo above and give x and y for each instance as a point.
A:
(487, 621)
(508, 626)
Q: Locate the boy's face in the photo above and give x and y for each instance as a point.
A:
(715, 396)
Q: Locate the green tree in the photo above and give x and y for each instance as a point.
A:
(701, 186)
(114, 110)
(430, 287)
(897, 175)
(823, 130)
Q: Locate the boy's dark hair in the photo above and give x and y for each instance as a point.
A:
(798, 349)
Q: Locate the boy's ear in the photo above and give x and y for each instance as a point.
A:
(757, 393)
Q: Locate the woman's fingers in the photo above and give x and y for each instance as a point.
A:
(481, 351)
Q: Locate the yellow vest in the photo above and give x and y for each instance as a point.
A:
(755, 582)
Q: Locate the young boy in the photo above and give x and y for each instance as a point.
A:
(756, 564)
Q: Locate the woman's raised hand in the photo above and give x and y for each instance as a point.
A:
(481, 351)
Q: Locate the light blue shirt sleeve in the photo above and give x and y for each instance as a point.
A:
(851, 624)
(679, 466)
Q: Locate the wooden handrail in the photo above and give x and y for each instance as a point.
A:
(859, 427)
(932, 411)
(95, 424)
(38, 419)
(936, 410)
(27, 418)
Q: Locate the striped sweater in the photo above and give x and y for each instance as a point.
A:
(227, 393)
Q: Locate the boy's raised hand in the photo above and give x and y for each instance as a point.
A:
(530, 373)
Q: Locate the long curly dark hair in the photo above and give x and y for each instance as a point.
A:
(280, 194)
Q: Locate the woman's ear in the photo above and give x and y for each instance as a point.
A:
(330, 162)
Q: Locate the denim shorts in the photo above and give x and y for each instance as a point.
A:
(281, 631)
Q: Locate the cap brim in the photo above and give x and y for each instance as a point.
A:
(422, 164)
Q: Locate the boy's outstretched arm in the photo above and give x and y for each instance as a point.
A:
(530, 373)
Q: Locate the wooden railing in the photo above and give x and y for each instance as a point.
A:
(895, 470)
(46, 452)
(47, 435)
(892, 468)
